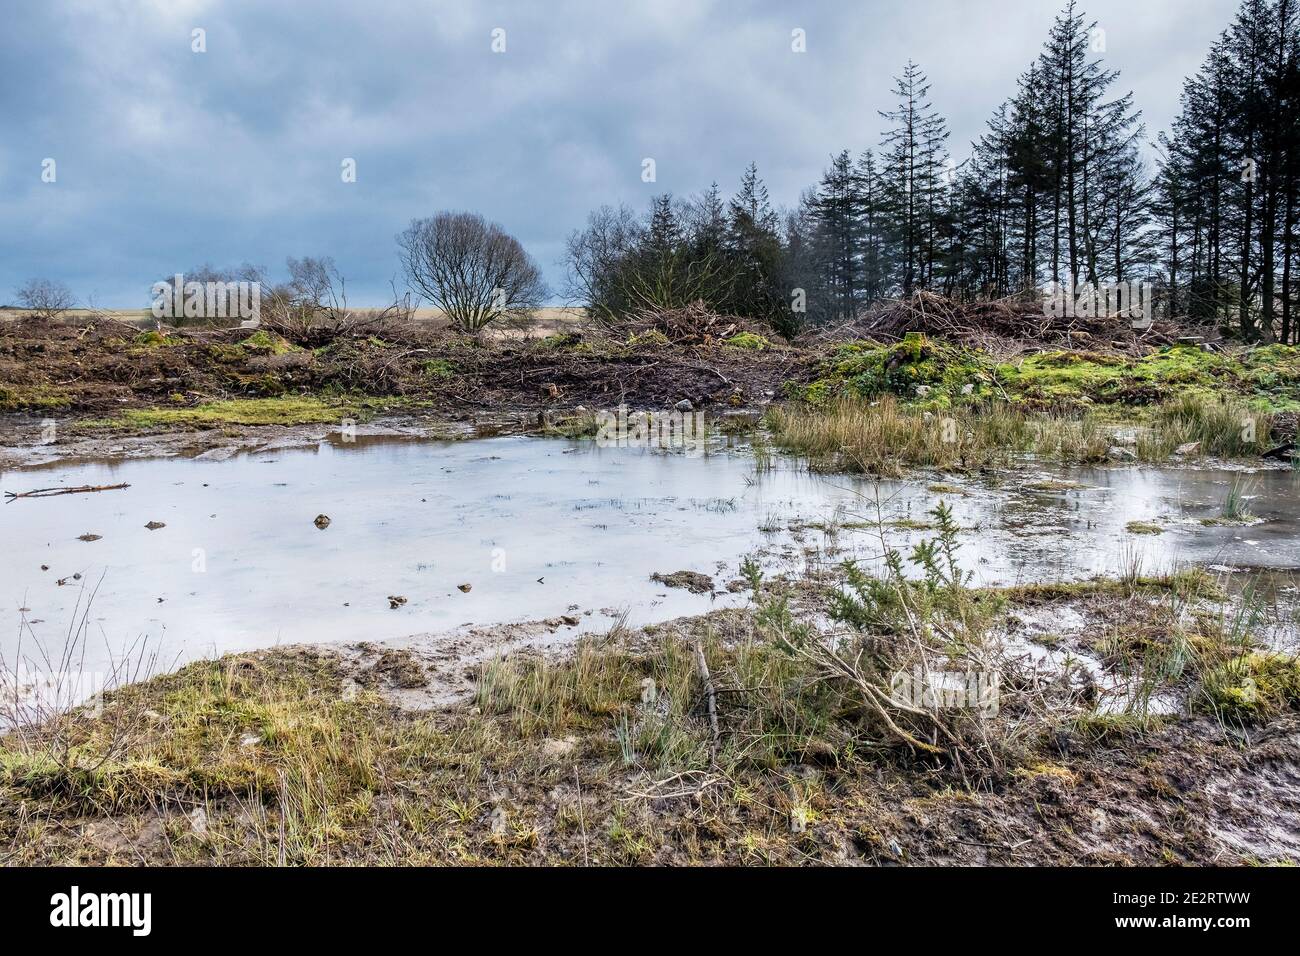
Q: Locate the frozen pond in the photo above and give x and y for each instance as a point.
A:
(537, 528)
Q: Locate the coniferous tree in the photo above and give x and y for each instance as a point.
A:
(838, 213)
(1226, 195)
(755, 247)
(913, 178)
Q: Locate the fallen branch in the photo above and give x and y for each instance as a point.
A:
(657, 791)
(51, 492)
(712, 694)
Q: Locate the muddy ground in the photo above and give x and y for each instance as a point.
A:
(106, 366)
(436, 749)
(76, 389)
(106, 389)
(413, 765)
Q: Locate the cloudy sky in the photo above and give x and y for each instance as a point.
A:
(167, 158)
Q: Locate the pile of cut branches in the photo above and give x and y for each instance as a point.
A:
(693, 324)
(1010, 325)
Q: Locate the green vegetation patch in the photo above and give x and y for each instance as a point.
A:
(438, 368)
(1269, 376)
(1143, 527)
(285, 410)
(155, 340)
(916, 369)
(1252, 687)
(936, 375)
(263, 342)
(748, 340)
(16, 398)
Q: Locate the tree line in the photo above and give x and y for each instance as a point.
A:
(1056, 189)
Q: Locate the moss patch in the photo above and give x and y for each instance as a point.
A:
(16, 398)
(1270, 376)
(748, 340)
(438, 368)
(916, 369)
(155, 340)
(939, 375)
(286, 410)
(1252, 687)
(1143, 527)
(263, 342)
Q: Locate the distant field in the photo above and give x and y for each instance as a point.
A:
(548, 320)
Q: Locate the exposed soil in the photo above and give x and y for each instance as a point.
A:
(398, 752)
(1181, 793)
(692, 581)
(441, 776)
(106, 366)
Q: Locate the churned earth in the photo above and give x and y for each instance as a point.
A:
(991, 593)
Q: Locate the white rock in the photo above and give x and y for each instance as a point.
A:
(555, 747)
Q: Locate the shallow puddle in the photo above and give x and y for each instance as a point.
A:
(537, 528)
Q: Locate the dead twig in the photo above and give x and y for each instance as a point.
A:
(51, 492)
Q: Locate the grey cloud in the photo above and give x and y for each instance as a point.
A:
(168, 159)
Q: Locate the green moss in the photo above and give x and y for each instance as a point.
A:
(912, 368)
(225, 354)
(1273, 376)
(1178, 395)
(1061, 377)
(917, 369)
(1143, 527)
(268, 343)
(287, 410)
(557, 340)
(652, 338)
(1270, 376)
(154, 339)
(15, 398)
(748, 340)
(438, 368)
(819, 392)
(1252, 686)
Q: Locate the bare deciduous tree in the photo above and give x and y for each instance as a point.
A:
(471, 269)
(46, 298)
(317, 280)
(593, 254)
